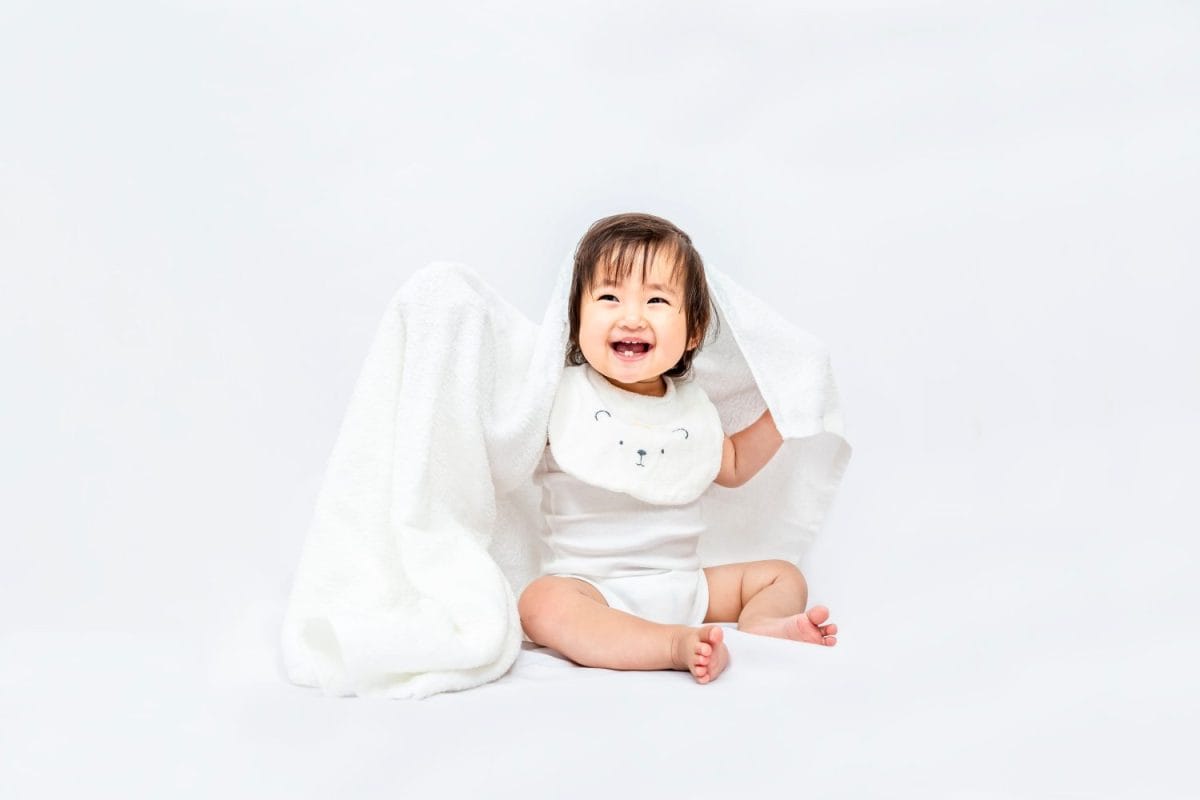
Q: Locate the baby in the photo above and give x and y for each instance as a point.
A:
(623, 587)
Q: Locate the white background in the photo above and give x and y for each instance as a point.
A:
(987, 211)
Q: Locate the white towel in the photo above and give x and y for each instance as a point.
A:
(427, 524)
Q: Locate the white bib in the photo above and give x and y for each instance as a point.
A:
(662, 450)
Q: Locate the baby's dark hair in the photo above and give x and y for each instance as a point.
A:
(625, 239)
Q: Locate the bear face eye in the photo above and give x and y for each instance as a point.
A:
(662, 451)
(621, 441)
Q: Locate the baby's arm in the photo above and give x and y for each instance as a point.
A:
(748, 451)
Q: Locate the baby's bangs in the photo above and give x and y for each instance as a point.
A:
(623, 256)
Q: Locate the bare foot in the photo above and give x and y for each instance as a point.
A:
(701, 651)
(806, 627)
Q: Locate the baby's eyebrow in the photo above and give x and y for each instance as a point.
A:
(654, 287)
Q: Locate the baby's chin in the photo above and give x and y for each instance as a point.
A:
(639, 381)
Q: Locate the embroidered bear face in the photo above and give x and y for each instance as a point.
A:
(667, 451)
(642, 445)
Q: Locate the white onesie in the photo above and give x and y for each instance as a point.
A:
(621, 483)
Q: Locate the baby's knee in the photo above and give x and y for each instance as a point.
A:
(537, 604)
(786, 570)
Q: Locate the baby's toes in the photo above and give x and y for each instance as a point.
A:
(817, 615)
(829, 641)
(703, 649)
(829, 630)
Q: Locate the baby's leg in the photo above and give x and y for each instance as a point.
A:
(571, 616)
(767, 598)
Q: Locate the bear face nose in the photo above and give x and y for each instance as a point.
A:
(641, 452)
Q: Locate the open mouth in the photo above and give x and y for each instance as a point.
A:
(631, 348)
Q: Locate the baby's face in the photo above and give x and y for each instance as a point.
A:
(650, 314)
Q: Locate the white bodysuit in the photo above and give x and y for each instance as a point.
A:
(641, 556)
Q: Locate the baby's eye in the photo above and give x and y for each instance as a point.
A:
(604, 296)
(663, 299)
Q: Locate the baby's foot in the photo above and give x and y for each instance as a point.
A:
(701, 651)
(808, 626)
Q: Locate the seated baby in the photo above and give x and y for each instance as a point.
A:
(632, 445)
